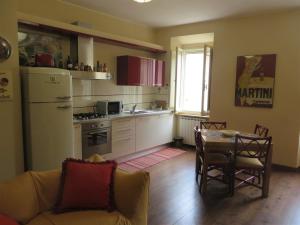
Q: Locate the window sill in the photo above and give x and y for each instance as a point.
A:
(197, 115)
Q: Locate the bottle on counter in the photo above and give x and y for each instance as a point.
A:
(98, 67)
(76, 66)
(69, 63)
(81, 67)
(61, 64)
(104, 68)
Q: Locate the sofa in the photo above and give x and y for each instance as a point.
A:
(30, 198)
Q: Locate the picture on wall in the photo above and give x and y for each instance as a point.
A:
(41, 49)
(5, 86)
(255, 77)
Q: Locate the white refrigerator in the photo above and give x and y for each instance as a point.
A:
(47, 117)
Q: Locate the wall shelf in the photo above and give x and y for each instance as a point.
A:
(40, 23)
(85, 75)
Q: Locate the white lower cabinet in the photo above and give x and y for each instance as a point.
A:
(154, 130)
(123, 137)
(134, 134)
(165, 130)
(77, 138)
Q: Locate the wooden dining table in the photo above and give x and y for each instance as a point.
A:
(215, 141)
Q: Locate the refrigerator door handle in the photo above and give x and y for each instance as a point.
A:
(64, 97)
(64, 106)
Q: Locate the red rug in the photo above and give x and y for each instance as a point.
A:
(146, 161)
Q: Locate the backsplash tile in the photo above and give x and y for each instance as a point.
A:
(87, 92)
(82, 87)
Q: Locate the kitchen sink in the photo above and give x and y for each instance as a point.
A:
(137, 112)
(140, 111)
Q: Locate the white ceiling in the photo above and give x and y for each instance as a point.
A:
(161, 13)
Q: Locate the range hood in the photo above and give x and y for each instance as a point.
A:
(85, 75)
(82, 51)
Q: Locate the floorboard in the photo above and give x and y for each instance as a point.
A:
(175, 199)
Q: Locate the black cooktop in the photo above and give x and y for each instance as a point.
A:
(88, 116)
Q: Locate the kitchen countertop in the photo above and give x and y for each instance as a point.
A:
(125, 115)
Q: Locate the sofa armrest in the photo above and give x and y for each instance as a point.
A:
(18, 198)
(132, 195)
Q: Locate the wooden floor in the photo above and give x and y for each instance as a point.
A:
(175, 199)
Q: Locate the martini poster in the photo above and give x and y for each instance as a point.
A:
(255, 77)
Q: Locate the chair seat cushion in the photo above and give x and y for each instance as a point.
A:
(243, 162)
(90, 217)
(217, 158)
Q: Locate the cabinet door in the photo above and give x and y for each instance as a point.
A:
(144, 72)
(134, 70)
(152, 131)
(151, 72)
(138, 71)
(159, 73)
(123, 137)
(146, 132)
(165, 129)
(128, 70)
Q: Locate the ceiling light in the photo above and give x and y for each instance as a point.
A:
(142, 1)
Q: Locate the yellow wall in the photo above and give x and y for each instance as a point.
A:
(259, 35)
(66, 12)
(11, 151)
(277, 33)
(11, 154)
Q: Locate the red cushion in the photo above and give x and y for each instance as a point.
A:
(5, 220)
(86, 185)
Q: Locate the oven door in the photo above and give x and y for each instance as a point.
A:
(96, 142)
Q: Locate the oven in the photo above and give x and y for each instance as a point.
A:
(96, 138)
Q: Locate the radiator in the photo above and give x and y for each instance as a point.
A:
(185, 126)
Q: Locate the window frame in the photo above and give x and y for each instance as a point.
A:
(179, 73)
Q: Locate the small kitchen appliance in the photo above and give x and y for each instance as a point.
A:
(109, 107)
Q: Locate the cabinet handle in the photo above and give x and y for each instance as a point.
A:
(63, 97)
(64, 107)
(122, 121)
(123, 139)
(122, 130)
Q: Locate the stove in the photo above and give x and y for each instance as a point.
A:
(88, 116)
(96, 133)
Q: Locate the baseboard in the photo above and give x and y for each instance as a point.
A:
(285, 168)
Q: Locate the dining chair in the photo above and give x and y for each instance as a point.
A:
(261, 130)
(251, 154)
(210, 125)
(213, 125)
(208, 162)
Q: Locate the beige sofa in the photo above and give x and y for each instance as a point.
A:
(30, 197)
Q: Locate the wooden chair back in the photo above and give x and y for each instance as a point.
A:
(252, 147)
(213, 125)
(261, 130)
(198, 141)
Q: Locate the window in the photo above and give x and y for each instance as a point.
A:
(193, 80)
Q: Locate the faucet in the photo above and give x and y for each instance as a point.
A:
(133, 109)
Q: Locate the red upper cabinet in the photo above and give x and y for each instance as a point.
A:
(128, 70)
(151, 72)
(144, 72)
(159, 73)
(139, 71)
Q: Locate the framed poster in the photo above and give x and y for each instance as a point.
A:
(255, 77)
(5, 86)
